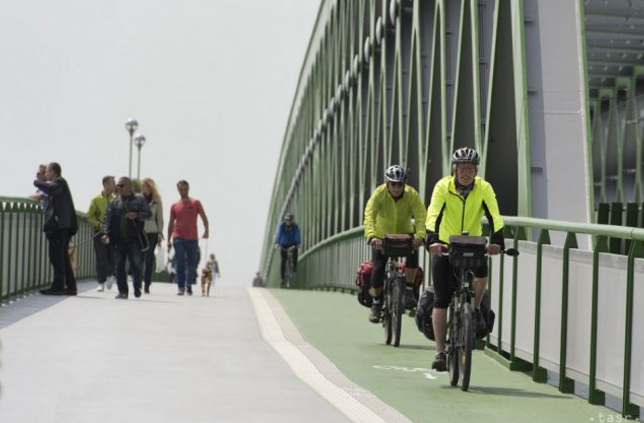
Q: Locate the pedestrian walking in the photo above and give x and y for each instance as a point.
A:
(123, 227)
(183, 236)
(153, 229)
(104, 251)
(60, 225)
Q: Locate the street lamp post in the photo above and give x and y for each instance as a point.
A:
(131, 126)
(139, 140)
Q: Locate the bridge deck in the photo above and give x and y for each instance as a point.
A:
(164, 358)
(161, 358)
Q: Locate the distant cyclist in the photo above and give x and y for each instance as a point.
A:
(288, 237)
(458, 204)
(389, 211)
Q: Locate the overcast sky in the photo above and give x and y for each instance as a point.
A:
(210, 81)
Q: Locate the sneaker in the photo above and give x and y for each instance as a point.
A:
(374, 314)
(110, 281)
(440, 362)
(100, 287)
(181, 291)
(189, 290)
(121, 296)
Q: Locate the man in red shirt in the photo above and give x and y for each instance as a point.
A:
(182, 235)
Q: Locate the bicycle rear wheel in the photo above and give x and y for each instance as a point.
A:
(397, 308)
(453, 350)
(465, 352)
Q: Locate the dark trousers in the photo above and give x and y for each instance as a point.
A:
(104, 259)
(284, 257)
(128, 251)
(148, 264)
(59, 258)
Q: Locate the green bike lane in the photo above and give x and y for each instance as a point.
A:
(337, 326)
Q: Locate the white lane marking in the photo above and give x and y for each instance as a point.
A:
(426, 372)
(304, 369)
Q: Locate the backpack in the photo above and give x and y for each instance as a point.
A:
(424, 313)
(363, 282)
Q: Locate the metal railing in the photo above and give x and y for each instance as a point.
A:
(562, 308)
(24, 261)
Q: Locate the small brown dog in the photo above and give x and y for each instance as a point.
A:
(206, 280)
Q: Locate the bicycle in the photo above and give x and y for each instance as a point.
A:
(288, 271)
(395, 287)
(465, 254)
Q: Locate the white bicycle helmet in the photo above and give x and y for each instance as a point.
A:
(395, 173)
(466, 155)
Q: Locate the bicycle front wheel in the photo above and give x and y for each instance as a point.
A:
(397, 309)
(454, 347)
(386, 320)
(465, 352)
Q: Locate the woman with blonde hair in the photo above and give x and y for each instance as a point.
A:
(153, 228)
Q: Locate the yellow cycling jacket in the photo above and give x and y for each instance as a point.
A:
(383, 215)
(449, 213)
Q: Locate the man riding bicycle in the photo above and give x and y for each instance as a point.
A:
(288, 236)
(457, 205)
(389, 211)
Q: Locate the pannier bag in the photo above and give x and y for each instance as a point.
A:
(418, 280)
(363, 281)
(488, 315)
(424, 313)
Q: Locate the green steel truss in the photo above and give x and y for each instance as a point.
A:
(401, 82)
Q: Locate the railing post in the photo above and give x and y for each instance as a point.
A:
(539, 374)
(595, 396)
(25, 256)
(631, 221)
(10, 212)
(616, 216)
(630, 410)
(3, 280)
(566, 384)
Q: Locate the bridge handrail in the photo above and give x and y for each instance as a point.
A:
(24, 264)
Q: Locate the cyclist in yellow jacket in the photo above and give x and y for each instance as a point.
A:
(389, 211)
(458, 204)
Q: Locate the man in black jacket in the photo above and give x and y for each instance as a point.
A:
(60, 225)
(123, 227)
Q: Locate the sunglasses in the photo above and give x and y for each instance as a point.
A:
(397, 184)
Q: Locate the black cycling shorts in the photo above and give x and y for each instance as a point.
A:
(444, 279)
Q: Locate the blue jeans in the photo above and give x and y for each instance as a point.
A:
(128, 250)
(185, 251)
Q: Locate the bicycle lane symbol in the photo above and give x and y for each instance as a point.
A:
(426, 372)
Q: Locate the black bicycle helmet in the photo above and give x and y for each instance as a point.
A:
(466, 155)
(395, 173)
(289, 216)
